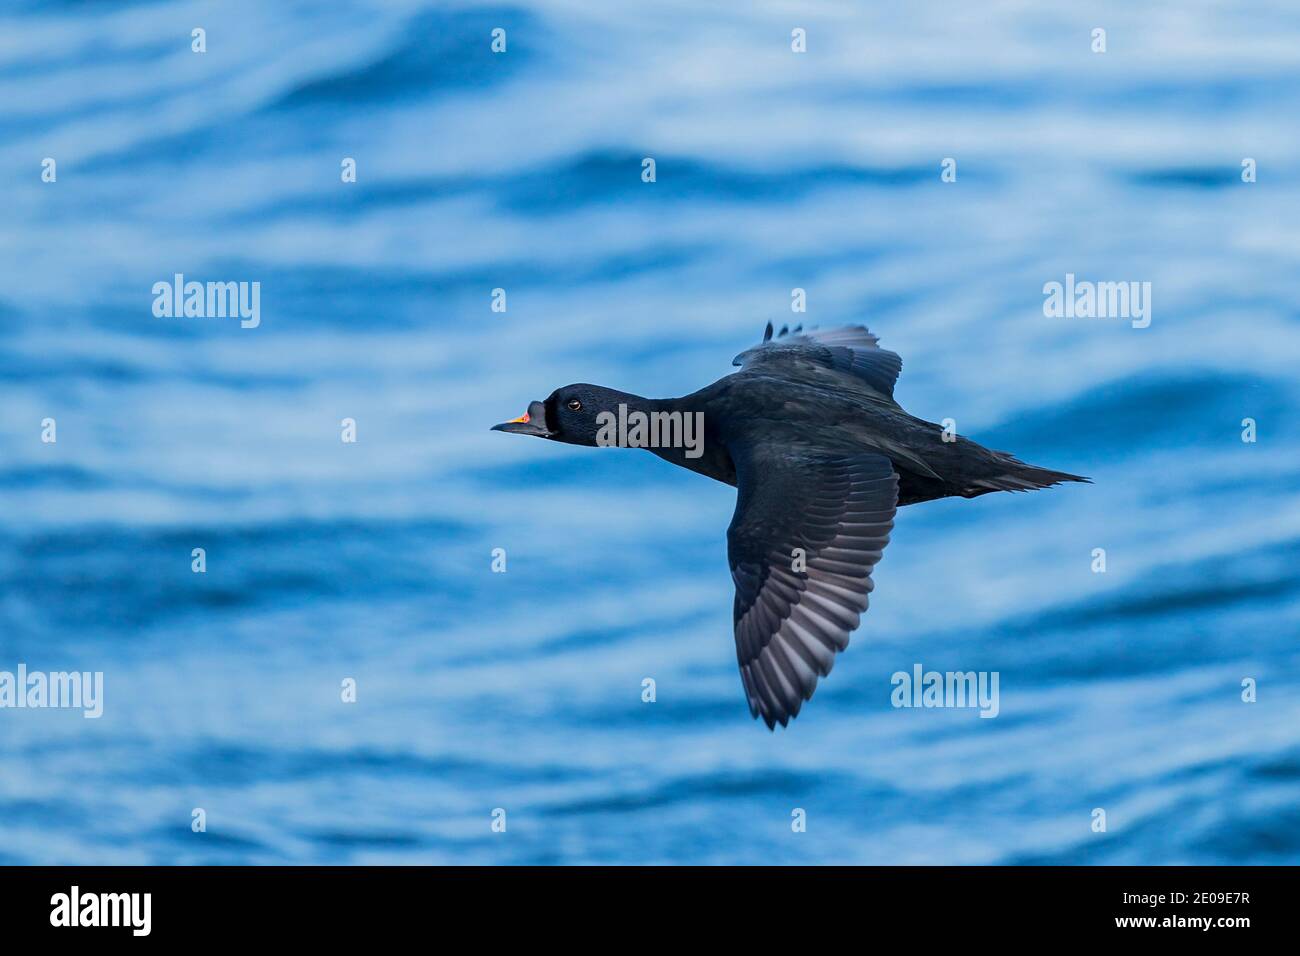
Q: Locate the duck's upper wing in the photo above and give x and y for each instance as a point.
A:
(849, 349)
(808, 529)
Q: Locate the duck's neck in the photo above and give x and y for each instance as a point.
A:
(676, 430)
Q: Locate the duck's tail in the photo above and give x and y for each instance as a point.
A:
(1005, 472)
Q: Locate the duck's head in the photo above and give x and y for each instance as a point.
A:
(568, 414)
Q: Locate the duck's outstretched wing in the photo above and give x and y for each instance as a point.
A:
(850, 349)
(808, 529)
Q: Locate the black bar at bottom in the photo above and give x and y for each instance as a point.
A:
(333, 905)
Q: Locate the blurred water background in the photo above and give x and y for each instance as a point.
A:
(522, 171)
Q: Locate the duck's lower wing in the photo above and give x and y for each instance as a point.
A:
(808, 529)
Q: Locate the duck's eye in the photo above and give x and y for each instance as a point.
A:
(573, 405)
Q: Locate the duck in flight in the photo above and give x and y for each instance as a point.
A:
(821, 457)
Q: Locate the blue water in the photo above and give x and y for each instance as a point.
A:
(522, 691)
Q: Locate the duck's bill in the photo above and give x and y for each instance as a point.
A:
(531, 422)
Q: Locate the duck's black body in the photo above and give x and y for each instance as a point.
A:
(821, 455)
(745, 407)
